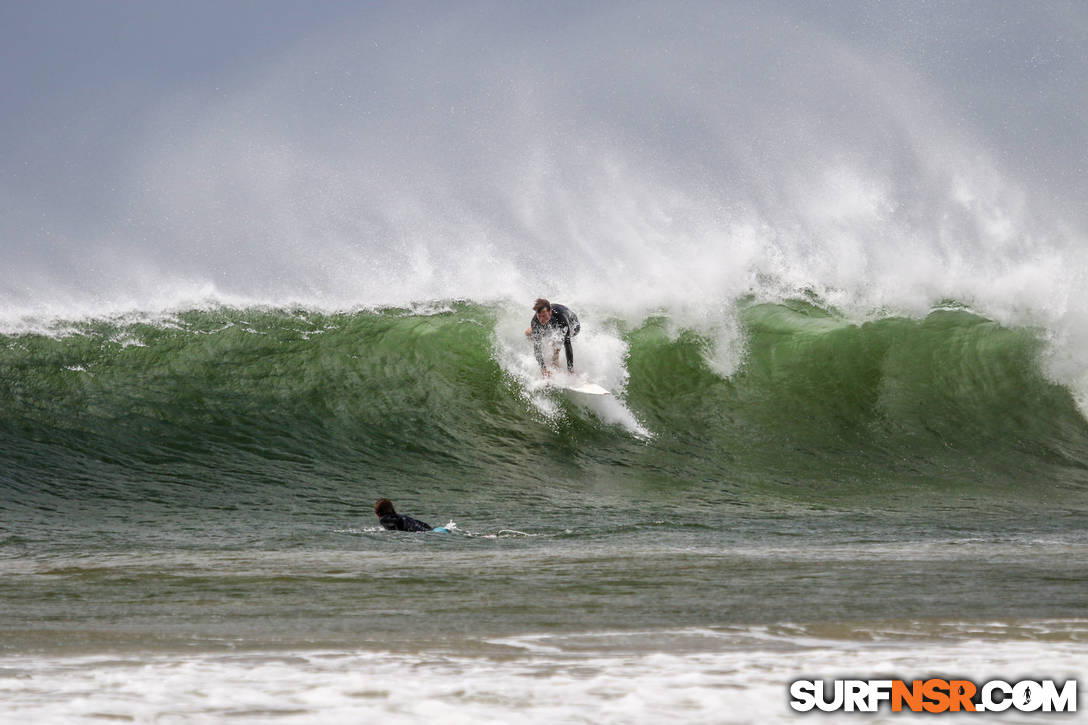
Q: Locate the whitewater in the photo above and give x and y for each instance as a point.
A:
(262, 269)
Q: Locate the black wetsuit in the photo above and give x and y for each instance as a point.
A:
(564, 321)
(396, 522)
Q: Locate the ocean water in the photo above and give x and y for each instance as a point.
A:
(265, 264)
(188, 529)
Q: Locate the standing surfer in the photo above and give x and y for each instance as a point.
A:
(554, 322)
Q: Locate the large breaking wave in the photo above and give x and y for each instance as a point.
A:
(252, 407)
(760, 211)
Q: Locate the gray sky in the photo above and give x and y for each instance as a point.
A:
(253, 144)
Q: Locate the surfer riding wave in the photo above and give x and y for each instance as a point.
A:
(555, 324)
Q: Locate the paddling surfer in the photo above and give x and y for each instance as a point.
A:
(393, 521)
(554, 322)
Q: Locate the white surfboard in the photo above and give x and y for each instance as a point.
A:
(586, 388)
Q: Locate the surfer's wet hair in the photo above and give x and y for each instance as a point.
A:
(383, 506)
(541, 304)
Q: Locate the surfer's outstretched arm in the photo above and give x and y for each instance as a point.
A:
(538, 348)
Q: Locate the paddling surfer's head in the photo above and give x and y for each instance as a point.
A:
(543, 310)
(383, 507)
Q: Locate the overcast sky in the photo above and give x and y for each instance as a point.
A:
(171, 130)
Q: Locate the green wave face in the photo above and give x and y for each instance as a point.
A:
(821, 406)
(302, 413)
